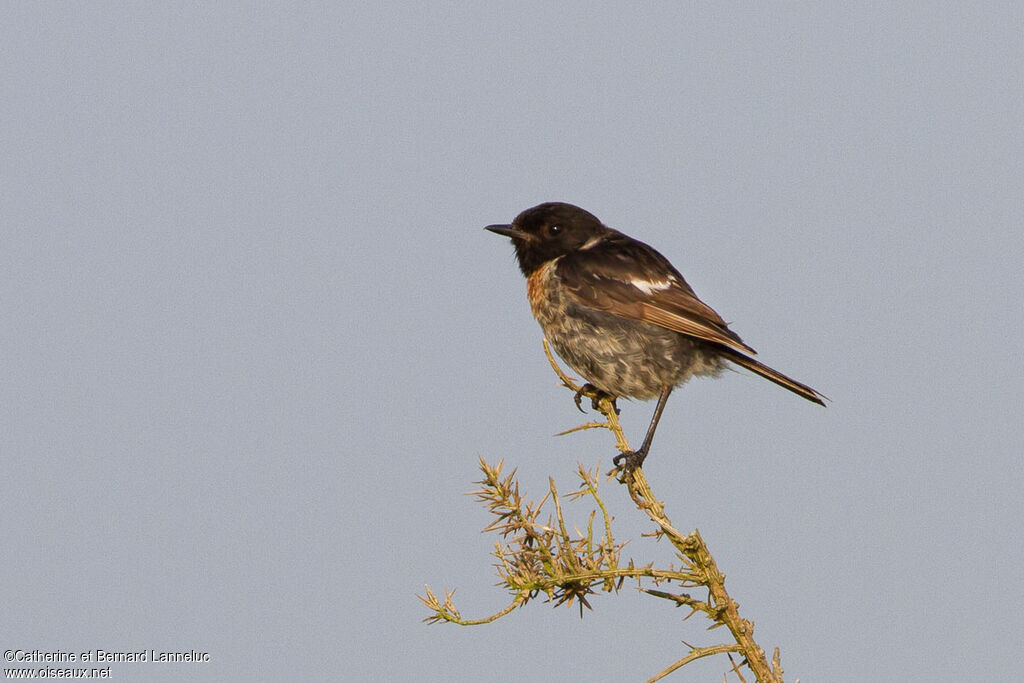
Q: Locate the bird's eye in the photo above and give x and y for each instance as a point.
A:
(554, 229)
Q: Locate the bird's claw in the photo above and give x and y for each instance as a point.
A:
(595, 395)
(629, 460)
(578, 399)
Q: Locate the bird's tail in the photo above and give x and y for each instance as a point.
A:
(773, 375)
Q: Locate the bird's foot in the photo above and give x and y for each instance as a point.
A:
(595, 395)
(629, 460)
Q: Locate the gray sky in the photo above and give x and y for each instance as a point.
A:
(254, 336)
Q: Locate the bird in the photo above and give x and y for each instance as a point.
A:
(621, 315)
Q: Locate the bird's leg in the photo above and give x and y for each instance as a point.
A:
(634, 459)
(595, 395)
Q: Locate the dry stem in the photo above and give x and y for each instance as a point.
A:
(545, 558)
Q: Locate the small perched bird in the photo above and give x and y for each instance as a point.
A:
(620, 314)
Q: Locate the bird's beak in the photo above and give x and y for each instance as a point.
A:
(509, 231)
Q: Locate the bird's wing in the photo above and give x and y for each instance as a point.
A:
(626, 277)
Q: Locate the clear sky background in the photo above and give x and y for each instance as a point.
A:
(254, 336)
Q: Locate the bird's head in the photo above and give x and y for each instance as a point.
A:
(548, 231)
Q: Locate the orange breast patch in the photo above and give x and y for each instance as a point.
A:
(536, 285)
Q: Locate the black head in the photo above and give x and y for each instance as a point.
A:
(548, 231)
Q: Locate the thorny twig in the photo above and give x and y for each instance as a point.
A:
(534, 557)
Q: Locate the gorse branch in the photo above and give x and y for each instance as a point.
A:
(538, 555)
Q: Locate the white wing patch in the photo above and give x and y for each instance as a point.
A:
(648, 287)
